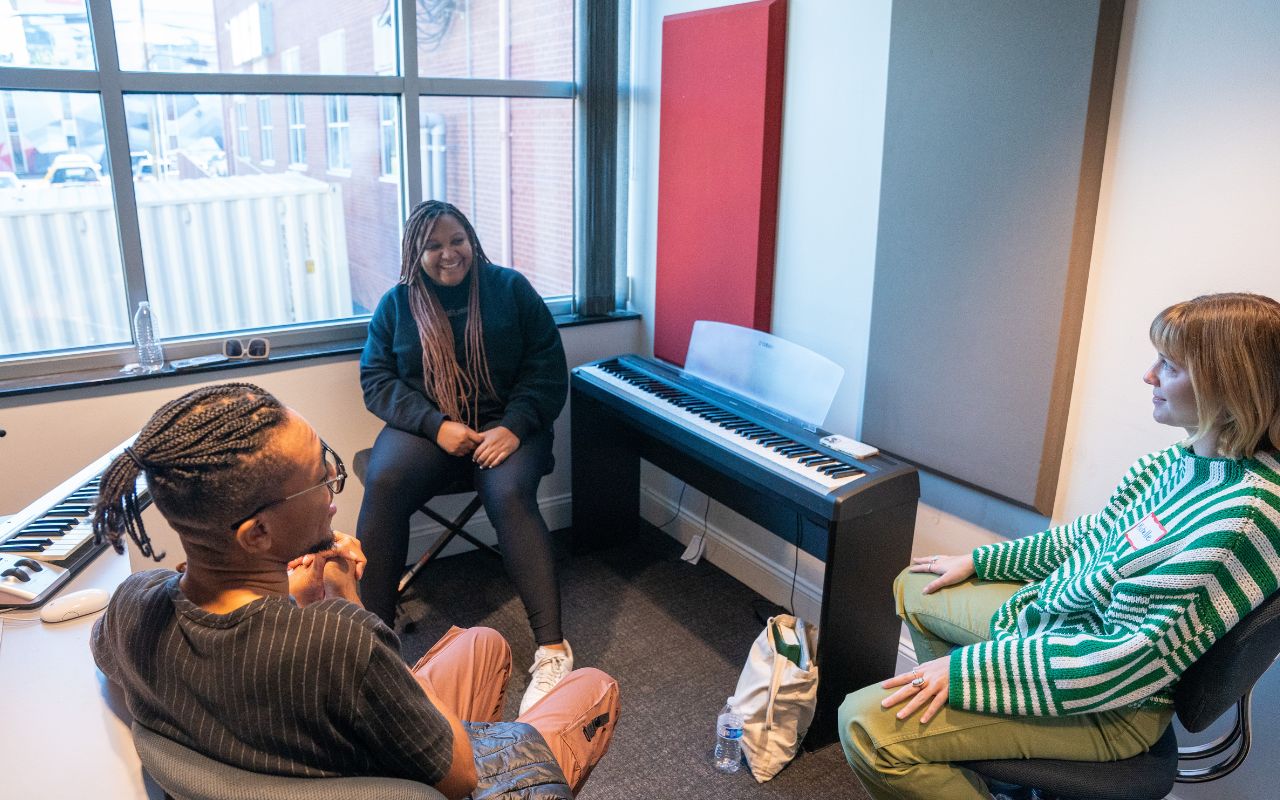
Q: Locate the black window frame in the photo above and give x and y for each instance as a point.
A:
(598, 281)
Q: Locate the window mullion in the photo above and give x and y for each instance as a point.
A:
(257, 83)
(495, 87)
(410, 138)
(116, 135)
(38, 79)
(595, 157)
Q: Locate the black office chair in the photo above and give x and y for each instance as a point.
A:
(1223, 677)
(452, 527)
(184, 774)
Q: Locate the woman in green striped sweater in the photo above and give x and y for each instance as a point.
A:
(1067, 644)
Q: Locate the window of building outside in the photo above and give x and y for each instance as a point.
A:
(299, 242)
(297, 131)
(290, 64)
(242, 127)
(338, 126)
(389, 121)
(266, 132)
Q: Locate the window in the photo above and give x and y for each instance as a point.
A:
(266, 132)
(523, 213)
(481, 111)
(58, 294)
(337, 123)
(297, 119)
(242, 127)
(389, 135)
(297, 131)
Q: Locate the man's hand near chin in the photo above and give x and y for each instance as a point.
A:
(340, 579)
(343, 545)
(306, 580)
(333, 571)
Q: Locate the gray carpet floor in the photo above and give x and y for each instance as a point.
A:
(674, 635)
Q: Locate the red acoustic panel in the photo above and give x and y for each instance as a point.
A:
(721, 138)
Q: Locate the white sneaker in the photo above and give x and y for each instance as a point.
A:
(549, 668)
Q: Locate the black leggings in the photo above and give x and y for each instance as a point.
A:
(406, 471)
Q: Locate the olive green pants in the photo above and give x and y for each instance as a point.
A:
(904, 759)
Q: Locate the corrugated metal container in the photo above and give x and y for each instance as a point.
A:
(221, 254)
(61, 283)
(243, 252)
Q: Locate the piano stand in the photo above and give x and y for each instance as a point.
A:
(864, 540)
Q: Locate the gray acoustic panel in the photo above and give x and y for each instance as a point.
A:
(995, 127)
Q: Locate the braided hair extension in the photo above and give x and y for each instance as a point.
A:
(186, 450)
(454, 388)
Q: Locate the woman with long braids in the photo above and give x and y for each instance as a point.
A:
(464, 365)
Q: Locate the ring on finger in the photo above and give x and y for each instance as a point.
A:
(918, 681)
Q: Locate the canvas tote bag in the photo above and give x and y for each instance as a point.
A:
(776, 695)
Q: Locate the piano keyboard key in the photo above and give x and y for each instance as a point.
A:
(780, 452)
(56, 531)
(62, 532)
(56, 549)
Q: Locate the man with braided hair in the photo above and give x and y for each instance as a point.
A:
(259, 653)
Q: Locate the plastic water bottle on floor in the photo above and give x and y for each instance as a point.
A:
(728, 738)
(150, 356)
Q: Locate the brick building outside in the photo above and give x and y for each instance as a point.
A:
(506, 163)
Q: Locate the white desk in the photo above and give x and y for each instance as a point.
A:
(61, 738)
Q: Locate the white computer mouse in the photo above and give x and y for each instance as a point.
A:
(75, 604)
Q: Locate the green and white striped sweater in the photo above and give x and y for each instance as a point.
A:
(1123, 601)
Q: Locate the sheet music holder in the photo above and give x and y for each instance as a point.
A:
(778, 376)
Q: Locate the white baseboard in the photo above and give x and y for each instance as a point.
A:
(557, 511)
(729, 553)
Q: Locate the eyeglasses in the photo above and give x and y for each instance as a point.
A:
(257, 347)
(335, 485)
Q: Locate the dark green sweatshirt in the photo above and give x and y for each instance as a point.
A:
(522, 343)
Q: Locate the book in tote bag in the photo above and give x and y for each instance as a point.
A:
(776, 694)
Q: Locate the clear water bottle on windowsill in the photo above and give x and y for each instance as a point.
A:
(728, 738)
(150, 355)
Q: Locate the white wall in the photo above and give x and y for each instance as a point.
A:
(1190, 204)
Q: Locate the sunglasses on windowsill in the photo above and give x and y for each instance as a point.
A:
(256, 347)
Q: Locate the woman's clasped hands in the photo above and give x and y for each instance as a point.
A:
(457, 439)
(496, 445)
(487, 448)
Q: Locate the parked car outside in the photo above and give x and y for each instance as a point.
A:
(73, 168)
(144, 166)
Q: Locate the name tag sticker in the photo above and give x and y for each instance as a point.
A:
(1147, 531)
